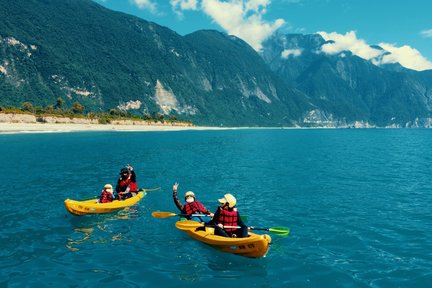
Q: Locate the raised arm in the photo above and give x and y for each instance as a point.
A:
(175, 197)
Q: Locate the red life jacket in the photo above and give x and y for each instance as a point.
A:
(228, 218)
(123, 185)
(194, 207)
(106, 197)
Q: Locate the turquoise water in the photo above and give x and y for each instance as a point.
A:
(358, 203)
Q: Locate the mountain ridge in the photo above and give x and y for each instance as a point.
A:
(82, 52)
(351, 88)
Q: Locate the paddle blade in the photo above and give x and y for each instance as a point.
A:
(188, 224)
(158, 214)
(282, 231)
(149, 190)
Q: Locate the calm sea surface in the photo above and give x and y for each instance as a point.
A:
(358, 203)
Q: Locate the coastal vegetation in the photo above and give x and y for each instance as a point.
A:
(77, 110)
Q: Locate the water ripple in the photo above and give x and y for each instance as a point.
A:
(356, 202)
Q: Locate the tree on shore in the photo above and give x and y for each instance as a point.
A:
(59, 103)
(77, 108)
(27, 106)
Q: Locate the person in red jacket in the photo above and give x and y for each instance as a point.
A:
(107, 194)
(226, 219)
(126, 185)
(192, 206)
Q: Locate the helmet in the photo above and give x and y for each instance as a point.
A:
(230, 199)
(124, 170)
(108, 188)
(189, 193)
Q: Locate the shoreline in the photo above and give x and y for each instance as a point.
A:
(12, 123)
(12, 128)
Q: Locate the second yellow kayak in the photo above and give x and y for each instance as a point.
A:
(253, 246)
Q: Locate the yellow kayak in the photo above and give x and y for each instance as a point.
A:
(253, 246)
(80, 208)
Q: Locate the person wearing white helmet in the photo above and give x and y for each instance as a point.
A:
(226, 219)
(107, 194)
(192, 206)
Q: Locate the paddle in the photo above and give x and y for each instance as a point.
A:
(149, 190)
(159, 214)
(187, 225)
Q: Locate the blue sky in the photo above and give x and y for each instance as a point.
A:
(403, 28)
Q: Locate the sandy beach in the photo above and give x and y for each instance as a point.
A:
(62, 127)
(27, 123)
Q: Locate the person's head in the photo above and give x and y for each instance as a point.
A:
(124, 173)
(228, 201)
(189, 196)
(108, 188)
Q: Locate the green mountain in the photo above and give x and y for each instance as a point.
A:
(83, 52)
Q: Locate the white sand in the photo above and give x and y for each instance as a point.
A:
(51, 127)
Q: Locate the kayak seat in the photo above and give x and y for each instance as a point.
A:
(209, 230)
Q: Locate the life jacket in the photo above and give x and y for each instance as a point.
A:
(124, 184)
(194, 207)
(106, 197)
(228, 218)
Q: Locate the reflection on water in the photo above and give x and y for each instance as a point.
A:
(87, 235)
(98, 229)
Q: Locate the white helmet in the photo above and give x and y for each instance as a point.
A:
(189, 193)
(230, 199)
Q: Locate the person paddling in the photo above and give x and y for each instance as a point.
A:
(192, 206)
(126, 184)
(226, 219)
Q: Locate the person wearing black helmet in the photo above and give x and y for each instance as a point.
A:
(126, 184)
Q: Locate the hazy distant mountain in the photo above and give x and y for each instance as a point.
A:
(350, 88)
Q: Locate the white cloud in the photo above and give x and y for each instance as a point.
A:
(426, 33)
(145, 4)
(184, 4)
(243, 19)
(291, 52)
(178, 6)
(348, 42)
(405, 55)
